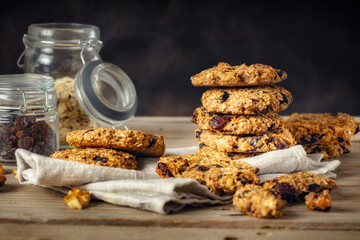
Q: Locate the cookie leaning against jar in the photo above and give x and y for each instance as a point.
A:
(132, 141)
(224, 75)
(235, 124)
(279, 139)
(249, 100)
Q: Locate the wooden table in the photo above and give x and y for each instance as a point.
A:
(31, 212)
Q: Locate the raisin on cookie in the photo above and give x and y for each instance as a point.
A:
(224, 75)
(98, 156)
(248, 101)
(136, 142)
(322, 132)
(220, 176)
(295, 186)
(279, 139)
(235, 124)
(254, 201)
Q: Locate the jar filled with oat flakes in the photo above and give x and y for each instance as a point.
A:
(28, 119)
(90, 92)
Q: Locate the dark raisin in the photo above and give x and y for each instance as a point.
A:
(224, 96)
(26, 143)
(314, 187)
(201, 145)
(220, 176)
(202, 168)
(286, 192)
(284, 99)
(340, 139)
(163, 167)
(321, 209)
(256, 143)
(279, 143)
(281, 73)
(185, 166)
(10, 140)
(255, 100)
(195, 116)
(198, 133)
(217, 165)
(218, 122)
(302, 196)
(243, 180)
(100, 159)
(87, 131)
(152, 143)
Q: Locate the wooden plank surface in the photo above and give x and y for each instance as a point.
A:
(42, 214)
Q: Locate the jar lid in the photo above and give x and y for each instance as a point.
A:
(27, 92)
(105, 93)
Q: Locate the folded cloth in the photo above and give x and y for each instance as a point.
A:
(144, 189)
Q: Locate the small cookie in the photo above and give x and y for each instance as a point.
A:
(98, 156)
(236, 124)
(279, 139)
(295, 186)
(254, 201)
(135, 142)
(209, 152)
(238, 76)
(322, 132)
(220, 176)
(320, 201)
(248, 101)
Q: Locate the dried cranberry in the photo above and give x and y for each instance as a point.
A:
(100, 159)
(285, 99)
(163, 167)
(198, 133)
(202, 168)
(224, 96)
(314, 187)
(286, 192)
(218, 122)
(279, 143)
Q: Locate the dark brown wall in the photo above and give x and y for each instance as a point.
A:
(160, 44)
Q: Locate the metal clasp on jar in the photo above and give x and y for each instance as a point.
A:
(24, 108)
(90, 45)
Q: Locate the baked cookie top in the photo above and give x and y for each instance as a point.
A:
(224, 75)
(248, 101)
(322, 132)
(98, 156)
(235, 124)
(254, 201)
(269, 141)
(294, 187)
(220, 176)
(136, 142)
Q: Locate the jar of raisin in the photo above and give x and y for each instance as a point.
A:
(28, 118)
(103, 94)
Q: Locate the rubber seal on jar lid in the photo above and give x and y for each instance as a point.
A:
(106, 93)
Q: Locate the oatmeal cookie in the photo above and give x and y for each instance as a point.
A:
(236, 124)
(320, 201)
(295, 186)
(279, 139)
(248, 101)
(220, 176)
(238, 76)
(135, 142)
(98, 156)
(209, 152)
(254, 201)
(322, 132)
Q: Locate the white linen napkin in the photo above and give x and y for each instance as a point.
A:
(144, 189)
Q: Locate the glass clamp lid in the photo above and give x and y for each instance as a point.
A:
(106, 93)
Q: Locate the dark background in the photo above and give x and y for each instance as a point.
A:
(160, 44)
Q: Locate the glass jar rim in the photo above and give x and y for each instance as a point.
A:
(27, 81)
(65, 34)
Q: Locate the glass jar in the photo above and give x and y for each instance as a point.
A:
(89, 91)
(28, 118)
(59, 49)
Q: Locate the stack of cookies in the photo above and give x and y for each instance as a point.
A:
(238, 117)
(111, 147)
